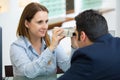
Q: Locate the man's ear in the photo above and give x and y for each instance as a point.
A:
(26, 23)
(82, 36)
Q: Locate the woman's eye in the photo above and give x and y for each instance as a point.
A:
(40, 22)
(46, 21)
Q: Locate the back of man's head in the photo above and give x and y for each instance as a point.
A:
(92, 23)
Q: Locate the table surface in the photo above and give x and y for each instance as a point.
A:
(11, 78)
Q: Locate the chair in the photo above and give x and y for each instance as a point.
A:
(9, 71)
(59, 71)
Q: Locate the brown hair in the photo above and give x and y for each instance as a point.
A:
(28, 13)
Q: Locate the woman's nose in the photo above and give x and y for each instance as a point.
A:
(45, 25)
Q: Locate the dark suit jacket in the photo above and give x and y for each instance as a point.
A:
(99, 61)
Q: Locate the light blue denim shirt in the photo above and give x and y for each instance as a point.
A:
(27, 62)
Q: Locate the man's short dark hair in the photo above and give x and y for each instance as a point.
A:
(92, 23)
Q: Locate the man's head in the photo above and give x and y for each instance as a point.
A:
(92, 23)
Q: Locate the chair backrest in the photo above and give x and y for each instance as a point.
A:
(59, 71)
(9, 71)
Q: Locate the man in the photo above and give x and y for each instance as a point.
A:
(98, 53)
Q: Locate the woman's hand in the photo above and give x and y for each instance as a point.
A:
(57, 36)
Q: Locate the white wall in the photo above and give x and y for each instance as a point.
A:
(9, 22)
(118, 17)
(110, 16)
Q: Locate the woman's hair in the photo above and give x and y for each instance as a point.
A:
(28, 13)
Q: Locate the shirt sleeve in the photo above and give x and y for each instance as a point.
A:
(27, 67)
(72, 51)
(63, 60)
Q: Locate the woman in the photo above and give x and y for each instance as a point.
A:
(32, 54)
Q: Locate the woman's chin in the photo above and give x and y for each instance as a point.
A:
(42, 35)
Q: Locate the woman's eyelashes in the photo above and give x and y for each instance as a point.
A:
(46, 21)
(41, 21)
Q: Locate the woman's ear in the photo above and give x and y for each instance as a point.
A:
(82, 36)
(26, 23)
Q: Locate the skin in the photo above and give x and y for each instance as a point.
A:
(84, 40)
(38, 25)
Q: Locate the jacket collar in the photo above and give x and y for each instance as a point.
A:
(104, 37)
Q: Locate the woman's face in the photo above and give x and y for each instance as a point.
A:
(38, 25)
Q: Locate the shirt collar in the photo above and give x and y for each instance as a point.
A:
(29, 44)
